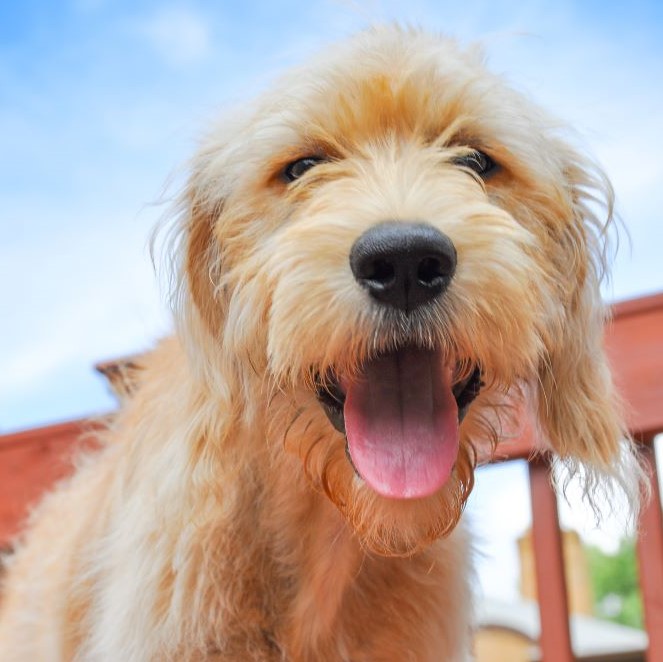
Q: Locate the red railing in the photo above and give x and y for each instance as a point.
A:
(31, 461)
(634, 341)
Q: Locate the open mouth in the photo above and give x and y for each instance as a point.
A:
(401, 418)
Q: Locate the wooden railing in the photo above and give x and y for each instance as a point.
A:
(32, 461)
(634, 341)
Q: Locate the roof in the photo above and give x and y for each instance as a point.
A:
(592, 638)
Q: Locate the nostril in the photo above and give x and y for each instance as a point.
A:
(431, 271)
(380, 272)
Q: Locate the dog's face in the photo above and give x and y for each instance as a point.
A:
(396, 245)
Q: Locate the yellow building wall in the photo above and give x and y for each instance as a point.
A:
(578, 582)
(499, 645)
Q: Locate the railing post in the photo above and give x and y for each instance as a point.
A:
(650, 558)
(555, 640)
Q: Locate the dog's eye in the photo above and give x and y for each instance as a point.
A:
(477, 161)
(297, 168)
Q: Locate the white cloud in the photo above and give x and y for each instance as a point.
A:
(180, 36)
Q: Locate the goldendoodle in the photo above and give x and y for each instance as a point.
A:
(379, 267)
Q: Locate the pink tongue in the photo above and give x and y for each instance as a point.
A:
(401, 422)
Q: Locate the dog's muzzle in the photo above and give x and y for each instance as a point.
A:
(403, 265)
(401, 412)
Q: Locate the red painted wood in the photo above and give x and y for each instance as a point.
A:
(634, 342)
(30, 463)
(650, 559)
(637, 306)
(555, 639)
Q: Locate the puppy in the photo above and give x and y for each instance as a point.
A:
(379, 267)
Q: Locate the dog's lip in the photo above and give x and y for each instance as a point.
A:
(332, 398)
(331, 394)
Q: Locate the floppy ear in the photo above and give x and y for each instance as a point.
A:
(202, 262)
(578, 406)
(579, 409)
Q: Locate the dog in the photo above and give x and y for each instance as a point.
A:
(378, 269)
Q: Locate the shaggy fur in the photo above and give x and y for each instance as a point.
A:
(223, 520)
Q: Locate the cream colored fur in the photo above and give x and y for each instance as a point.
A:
(222, 519)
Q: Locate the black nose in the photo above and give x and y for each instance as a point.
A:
(404, 265)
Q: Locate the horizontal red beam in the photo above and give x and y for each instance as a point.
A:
(30, 463)
(634, 342)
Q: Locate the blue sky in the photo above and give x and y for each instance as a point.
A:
(101, 103)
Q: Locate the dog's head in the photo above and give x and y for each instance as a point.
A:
(385, 251)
